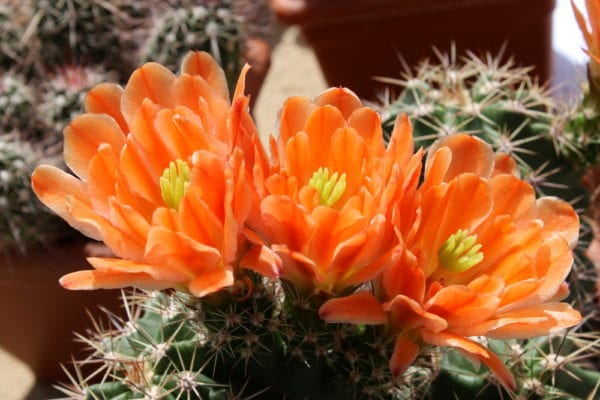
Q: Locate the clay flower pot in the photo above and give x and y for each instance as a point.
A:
(356, 40)
(38, 317)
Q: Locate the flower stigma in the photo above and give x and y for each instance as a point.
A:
(173, 182)
(330, 188)
(460, 252)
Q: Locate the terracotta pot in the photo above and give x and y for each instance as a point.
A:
(38, 317)
(356, 40)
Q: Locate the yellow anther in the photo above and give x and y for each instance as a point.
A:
(330, 189)
(460, 252)
(173, 182)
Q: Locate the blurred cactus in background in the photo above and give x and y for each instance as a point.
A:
(23, 219)
(14, 18)
(88, 31)
(17, 102)
(188, 25)
(62, 96)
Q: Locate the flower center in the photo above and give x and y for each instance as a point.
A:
(173, 182)
(460, 252)
(330, 188)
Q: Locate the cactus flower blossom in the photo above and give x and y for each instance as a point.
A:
(480, 256)
(160, 177)
(328, 206)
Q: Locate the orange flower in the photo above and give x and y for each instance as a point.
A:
(161, 177)
(591, 34)
(327, 214)
(480, 257)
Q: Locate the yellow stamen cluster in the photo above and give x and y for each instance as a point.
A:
(330, 188)
(460, 252)
(173, 182)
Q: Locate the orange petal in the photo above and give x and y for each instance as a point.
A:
(114, 273)
(405, 352)
(358, 308)
(341, 98)
(405, 277)
(293, 117)
(103, 176)
(512, 196)
(211, 281)
(468, 193)
(296, 267)
(54, 187)
(180, 252)
(320, 127)
(297, 158)
(83, 137)
(469, 154)
(140, 180)
(436, 167)
(475, 350)
(151, 81)
(559, 218)
(505, 164)
(367, 254)
(149, 141)
(105, 98)
(240, 87)
(288, 223)
(347, 156)
(460, 306)
(401, 146)
(263, 260)
(92, 280)
(128, 220)
(406, 314)
(536, 320)
(203, 64)
(587, 35)
(552, 263)
(367, 123)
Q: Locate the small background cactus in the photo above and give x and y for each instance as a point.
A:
(63, 48)
(187, 25)
(23, 219)
(62, 96)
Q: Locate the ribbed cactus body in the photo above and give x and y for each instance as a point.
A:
(497, 102)
(259, 344)
(545, 368)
